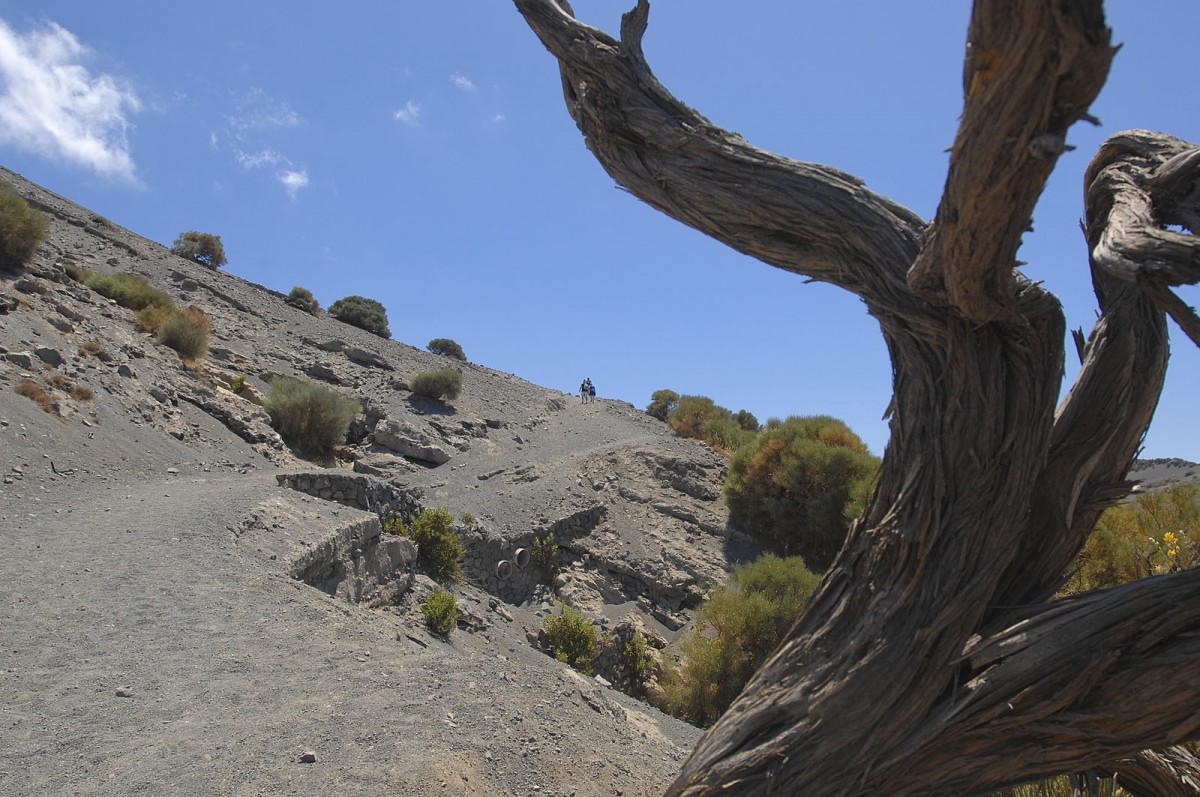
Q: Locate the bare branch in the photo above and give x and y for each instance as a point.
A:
(1174, 772)
(985, 492)
(1172, 305)
(805, 218)
(1140, 183)
(1032, 69)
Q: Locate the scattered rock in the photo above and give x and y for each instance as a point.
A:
(22, 359)
(49, 356)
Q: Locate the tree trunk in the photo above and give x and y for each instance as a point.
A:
(930, 662)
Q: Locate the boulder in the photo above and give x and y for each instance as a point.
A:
(409, 441)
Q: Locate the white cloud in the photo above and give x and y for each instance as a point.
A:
(257, 112)
(462, 81)
(498, 118)
(53, 106)
(410, 114)
(293, 181)
(253, 160)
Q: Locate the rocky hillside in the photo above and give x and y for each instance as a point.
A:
(191, 608)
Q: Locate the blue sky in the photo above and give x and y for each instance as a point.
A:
(419, 153)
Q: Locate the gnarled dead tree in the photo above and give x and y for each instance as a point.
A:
(932, 661)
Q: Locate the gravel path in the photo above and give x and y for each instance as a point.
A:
(146, 652)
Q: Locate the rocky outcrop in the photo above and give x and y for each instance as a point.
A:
(408, 441)
(356, 563)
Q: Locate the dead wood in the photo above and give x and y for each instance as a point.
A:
(929, 661)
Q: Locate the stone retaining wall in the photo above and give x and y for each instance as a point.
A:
(502, 565)
(354, 489)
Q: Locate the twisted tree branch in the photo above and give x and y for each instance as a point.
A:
(985, 492)
(1031, 71)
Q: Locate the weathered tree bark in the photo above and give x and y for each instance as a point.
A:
(930, 661)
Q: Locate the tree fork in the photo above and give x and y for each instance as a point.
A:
(929, 662)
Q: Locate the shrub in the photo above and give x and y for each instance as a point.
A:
(636, 658)
(441, 612)
(545, 553)
(363, 313)
(447, 348)
(237, 383)
(573, 639)
(740, 625)
(34, 392)
(75, 272)
(186, 331)
(1062, 786)
(201, 247)
(1157, 532)
(303, 299)
(725, 433)
(127, 290)
(309, 416)
(746, 420)
(691, 413)
(794, 486)
(22, 230)
(150, 318)
(436, 385)
(661, 403)
(439, 549)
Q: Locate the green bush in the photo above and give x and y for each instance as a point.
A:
(661, 403)
(201, 247)
(740, 625)
(796, 485)
(439, 549)
(303, 299)
(691, 413)
(447, 348)
(127, 290)
(545, 553)
(725, 433)
(436, 385)
(636, 660)
(573, 639)
(700, 418)
(22, 230)
(186, 331)
(363, 313)
(1156, 532)
(441, 612)
(312, 417)
(746, 420)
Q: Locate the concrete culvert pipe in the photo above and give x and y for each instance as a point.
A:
(503, 569)
(522, 558)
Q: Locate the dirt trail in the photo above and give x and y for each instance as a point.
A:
(146, 652)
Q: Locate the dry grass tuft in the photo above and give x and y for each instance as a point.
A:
(32, 390)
